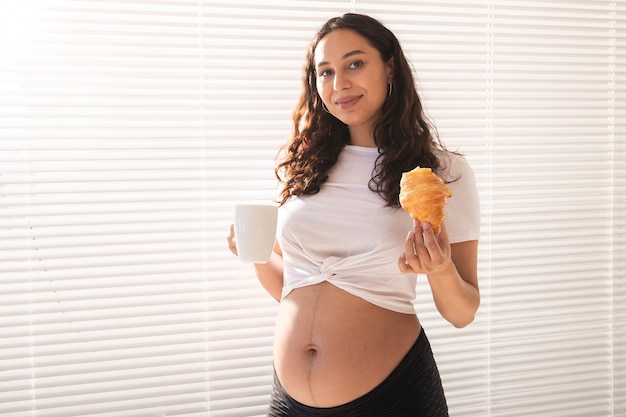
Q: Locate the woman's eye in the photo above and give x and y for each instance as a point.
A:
(324, 73)
(355, 64)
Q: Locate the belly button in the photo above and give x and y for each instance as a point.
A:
(310, 349)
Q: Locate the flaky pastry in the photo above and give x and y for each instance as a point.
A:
(424, 195)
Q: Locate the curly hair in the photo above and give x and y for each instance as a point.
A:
(404, 136)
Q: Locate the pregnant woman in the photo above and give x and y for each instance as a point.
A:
(346, 259)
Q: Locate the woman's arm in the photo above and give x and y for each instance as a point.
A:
(270, 274)
(451, 270)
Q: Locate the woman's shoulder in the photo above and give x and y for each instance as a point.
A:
(463, 208)
(452, 165)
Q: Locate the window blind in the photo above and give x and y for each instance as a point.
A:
(617, 169)
(550, 302)
(104, 249)
(129, 129)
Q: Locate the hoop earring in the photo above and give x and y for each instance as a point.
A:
(390, 89)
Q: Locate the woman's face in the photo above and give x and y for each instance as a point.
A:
(352, 79)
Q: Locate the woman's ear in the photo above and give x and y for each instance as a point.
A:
(389, 65)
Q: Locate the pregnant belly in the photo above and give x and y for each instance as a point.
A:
(331, 347)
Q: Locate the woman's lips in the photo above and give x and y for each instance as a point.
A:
(345, 103)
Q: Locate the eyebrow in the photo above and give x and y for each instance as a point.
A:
(345, 56)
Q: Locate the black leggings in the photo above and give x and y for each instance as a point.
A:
(413, 389)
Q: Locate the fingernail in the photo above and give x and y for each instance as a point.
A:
(416, 223)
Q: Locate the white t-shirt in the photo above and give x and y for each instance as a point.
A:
(345, 235)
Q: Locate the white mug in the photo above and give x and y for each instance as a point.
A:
(255, 231)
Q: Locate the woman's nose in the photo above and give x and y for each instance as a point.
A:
(341, 82)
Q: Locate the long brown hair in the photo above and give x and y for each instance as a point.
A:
(403, 134)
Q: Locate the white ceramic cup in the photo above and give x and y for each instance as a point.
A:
(255, 231)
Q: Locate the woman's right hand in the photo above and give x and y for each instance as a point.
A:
(232, 245)
(270, 274)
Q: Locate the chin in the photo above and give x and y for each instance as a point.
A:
(351, 121)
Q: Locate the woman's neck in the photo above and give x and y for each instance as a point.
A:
(361, 136)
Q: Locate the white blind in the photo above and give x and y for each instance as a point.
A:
(617, 173)
(103, 302)
(129, 129)
(550, 307)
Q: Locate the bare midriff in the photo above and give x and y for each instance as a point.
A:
(332, 347)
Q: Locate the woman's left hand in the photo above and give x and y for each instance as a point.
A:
(423, 252)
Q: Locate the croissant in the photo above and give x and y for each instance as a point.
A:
(423, 195)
